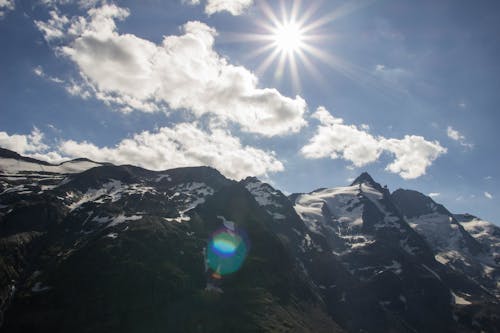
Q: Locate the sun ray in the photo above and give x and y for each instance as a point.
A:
(340, 12)
(268, 11)
(259, 51)
(291, 38)
(280, 68)
(268, 61)
(294, 71)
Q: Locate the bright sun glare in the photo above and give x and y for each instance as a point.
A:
(288, 37)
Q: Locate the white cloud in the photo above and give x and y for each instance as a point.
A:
(183, 72)
(54, 27)
(183, 145)
(5, 6)
(235, 7)
(334, 139)
(457, 136)
(453, 134)
(413, 154)
(488, 195)
(434, 194)
(22, 144)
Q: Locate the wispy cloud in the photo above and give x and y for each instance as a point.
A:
(434, 194)
(457, 136)
(38, 70)
(488, 195)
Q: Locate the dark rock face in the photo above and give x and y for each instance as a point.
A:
(89, 247)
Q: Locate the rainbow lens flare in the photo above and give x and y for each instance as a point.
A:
(226, 252)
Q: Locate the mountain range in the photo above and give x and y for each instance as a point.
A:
(95, 247)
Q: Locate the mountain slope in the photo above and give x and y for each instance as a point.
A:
(96, 247)
(120, 248)
(457, 243)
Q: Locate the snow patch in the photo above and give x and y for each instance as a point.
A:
(263, 194)
(459, 300)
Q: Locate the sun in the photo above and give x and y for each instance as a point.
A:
(292, 38)
(288, 37)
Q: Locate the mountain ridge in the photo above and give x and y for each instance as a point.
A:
(353, 258)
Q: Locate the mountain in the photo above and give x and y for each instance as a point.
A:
(461, 242)
(89, 246)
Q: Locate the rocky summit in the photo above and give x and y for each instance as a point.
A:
(94, 247)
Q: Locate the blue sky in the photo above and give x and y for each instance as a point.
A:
(405, 90)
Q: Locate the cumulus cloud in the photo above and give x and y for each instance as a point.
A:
(334, 139)
(183, 145)
(182, 72)
(5, 6)
(488, 195)
(413, 155)
(23, 144)
(235, 7)
(457, 136)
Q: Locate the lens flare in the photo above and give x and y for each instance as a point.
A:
(226, 251)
